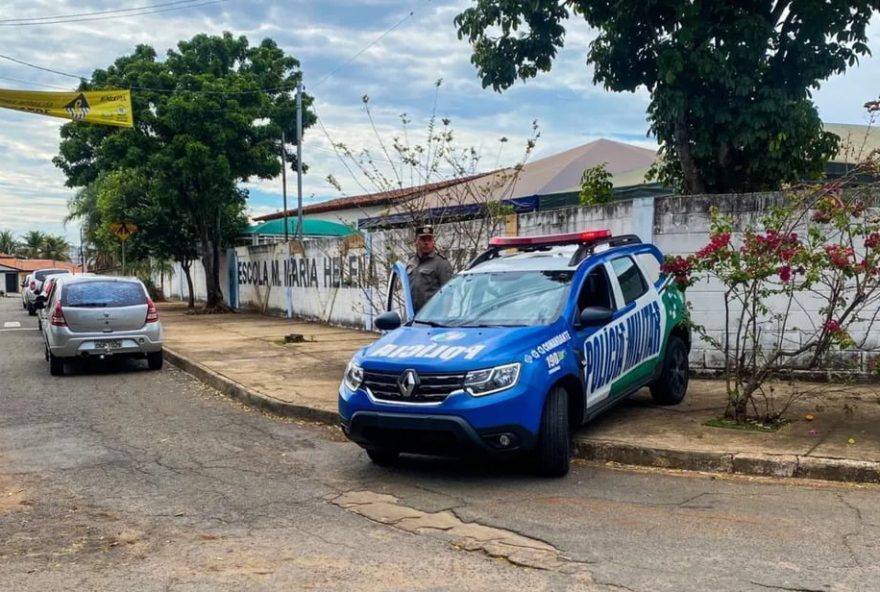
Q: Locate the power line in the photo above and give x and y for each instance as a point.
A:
(139, 12)
(244, 92)
(32, 83)
(29, 65)
(336, 150)
(98, 12)
(365, 48)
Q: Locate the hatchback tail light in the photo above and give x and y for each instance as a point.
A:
(33, 285)
(57, 317)
(152, 313)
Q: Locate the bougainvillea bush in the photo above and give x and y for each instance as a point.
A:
(820, 251)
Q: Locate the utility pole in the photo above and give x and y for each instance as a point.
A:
(284, 183)
(82, 251)
(299, 160)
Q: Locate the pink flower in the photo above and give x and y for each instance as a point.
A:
(840, 256)
(785, 273)
(717, 242)
(872, 241)
(832, 326)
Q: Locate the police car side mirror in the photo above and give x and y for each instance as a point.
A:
(592, 316)
(388, 321)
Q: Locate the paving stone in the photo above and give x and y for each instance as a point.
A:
(356, 498)
(386, 512)
(435, 521)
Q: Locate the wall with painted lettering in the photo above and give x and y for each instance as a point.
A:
(327, 280)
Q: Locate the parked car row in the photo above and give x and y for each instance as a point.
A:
(91, 316)
(33, 284)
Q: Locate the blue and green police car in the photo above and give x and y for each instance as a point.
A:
(535, 338)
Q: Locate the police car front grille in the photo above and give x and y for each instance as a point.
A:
(432, 388)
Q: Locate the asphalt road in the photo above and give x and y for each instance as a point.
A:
(114, 477)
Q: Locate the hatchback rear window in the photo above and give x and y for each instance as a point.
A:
(41, 275)
(103, 294)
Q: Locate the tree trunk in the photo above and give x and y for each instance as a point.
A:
(694, 183)
(187, 266)
(211, 263)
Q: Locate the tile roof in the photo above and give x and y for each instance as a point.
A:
(372, 199)
(34, 264)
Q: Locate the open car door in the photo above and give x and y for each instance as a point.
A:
(399, 295)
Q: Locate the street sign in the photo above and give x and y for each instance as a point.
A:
(123, 230)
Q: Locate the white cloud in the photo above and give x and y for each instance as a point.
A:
(397, 72)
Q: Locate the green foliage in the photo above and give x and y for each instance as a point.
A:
(207, 118)
(35, 245)
(596, 186)
(31, 245)
(730, 82)
(8, 244)
(55, 247)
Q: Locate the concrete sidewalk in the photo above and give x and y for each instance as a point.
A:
(244, 355)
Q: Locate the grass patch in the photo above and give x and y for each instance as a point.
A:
(749, 426)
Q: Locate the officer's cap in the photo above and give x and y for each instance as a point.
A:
(424, 230)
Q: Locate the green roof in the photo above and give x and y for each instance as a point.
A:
(310, 228)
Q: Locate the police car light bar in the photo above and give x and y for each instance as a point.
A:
(548, 240)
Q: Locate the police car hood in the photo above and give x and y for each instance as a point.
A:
(457, 348)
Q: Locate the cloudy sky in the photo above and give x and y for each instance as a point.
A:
(391, 50)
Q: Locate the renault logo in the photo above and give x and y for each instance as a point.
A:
(407, 383)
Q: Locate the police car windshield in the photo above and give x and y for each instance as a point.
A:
(497, 299)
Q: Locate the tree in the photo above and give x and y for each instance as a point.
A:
(207, 118)
(8, 244)
(434, 179)
(596, 186)
(99, 249)
(31, 246)
(56, 248)
(730, 82)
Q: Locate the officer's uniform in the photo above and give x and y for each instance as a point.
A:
(427, 274)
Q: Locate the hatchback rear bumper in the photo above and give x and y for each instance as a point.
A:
(111, 344)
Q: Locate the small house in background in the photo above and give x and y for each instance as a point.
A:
(13, 270)
(273, 231)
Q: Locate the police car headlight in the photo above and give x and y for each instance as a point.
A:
(353, 377)
(491, 380)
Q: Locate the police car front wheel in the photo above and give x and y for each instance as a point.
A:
(554, 446)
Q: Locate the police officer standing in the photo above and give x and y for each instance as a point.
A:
(427, 269)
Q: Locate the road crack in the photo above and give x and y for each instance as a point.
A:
(515, 548)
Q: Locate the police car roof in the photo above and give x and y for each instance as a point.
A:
(552, 259)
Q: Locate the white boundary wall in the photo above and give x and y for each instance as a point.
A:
(327, 279)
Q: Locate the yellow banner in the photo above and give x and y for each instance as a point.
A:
(107, 107)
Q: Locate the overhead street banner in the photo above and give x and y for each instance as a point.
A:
(105, 107)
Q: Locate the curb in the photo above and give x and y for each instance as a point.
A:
(755, 464)
(250, 397)
(604, 451)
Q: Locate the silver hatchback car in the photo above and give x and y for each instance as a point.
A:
(98, 317)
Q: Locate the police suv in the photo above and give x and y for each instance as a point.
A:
(536, 337)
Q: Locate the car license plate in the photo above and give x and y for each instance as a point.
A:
(108, 344)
